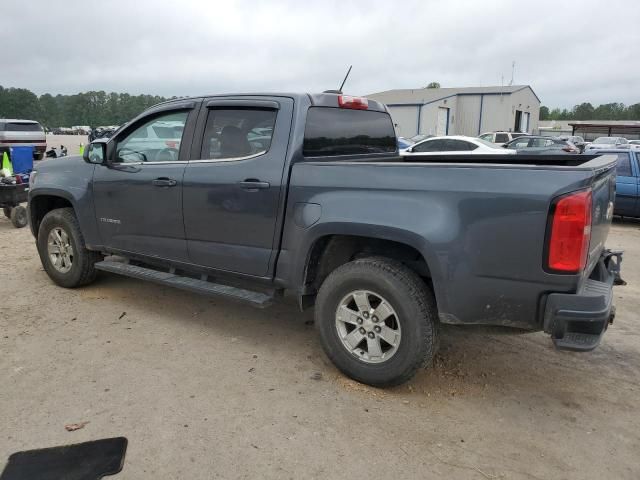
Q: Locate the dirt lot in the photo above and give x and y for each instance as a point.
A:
(209, 389)
(71, 142)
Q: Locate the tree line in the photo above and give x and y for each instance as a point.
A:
(96, 108)
(88, 108)
(586, 111)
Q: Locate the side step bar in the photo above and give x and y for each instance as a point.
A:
(257, 299)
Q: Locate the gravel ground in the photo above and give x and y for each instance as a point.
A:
(71, 142)
(209, 389)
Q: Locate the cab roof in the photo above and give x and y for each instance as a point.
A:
(324, 99)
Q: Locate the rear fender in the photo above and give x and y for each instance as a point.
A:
(321, 231)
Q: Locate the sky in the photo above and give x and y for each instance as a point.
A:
(568, 51)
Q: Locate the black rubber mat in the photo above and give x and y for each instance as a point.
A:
(83, 461)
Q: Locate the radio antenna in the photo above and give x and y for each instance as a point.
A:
(345, 79)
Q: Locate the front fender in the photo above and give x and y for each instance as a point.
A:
(69, 179)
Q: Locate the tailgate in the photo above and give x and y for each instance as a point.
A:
(603, 198)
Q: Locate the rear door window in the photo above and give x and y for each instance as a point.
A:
(237, 132)
(541, 142)
(429, 146)
(340, 131)
(502, 138)
(22, 127)
(452, 145)
(623, 168)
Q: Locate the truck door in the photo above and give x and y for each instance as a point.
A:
(626, 185)
(138, 193)
(234, 182)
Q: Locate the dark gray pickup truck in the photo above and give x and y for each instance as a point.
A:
(249, 196)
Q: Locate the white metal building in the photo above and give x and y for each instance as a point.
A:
(462, 111)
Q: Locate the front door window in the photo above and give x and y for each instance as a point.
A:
(157, 140)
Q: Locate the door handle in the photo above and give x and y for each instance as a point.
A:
(164, 182)
(252, 184)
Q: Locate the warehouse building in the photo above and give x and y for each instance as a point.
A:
(462, 111)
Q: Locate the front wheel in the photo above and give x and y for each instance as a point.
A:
(7, 211)
(377, 321)
(62, 250)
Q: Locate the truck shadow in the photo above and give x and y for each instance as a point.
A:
(471, 363)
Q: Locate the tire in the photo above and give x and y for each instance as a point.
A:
(79, 268)
(38, 156)
(7, 211)
(18, 216)
(414, 321)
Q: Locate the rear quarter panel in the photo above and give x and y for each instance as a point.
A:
(481, 229)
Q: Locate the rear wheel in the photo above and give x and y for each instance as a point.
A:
(18, 216)
(62, 250)
(377, 321)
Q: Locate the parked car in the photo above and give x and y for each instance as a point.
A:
(384, 249)
(23, 133)
(607, 143)
(404, 143)
(101, 132)
(454, 145)
(576, 140)
(634, 144)
(627, 181)
(541, 145)
(500, 138)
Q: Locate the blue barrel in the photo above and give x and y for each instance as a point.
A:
(22, 159)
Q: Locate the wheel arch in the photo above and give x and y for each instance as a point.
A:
(42, 203)
(329, 250)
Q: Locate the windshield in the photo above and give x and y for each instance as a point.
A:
(420, 137)
(22, 127)
(488, 144)
(605, 140)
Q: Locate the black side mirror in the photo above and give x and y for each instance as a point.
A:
(95, 153)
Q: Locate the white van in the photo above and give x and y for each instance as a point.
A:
(23, 133)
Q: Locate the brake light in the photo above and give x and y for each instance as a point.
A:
(569, 149)
(171, 143)
(356, 103)
(570, 232)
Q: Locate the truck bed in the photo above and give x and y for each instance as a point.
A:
(480, 226)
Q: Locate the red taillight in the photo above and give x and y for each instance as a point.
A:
(569, 149)
(570, 232)
(171, 144)
(356, 103)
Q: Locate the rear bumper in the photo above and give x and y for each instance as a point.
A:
(578, 321)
